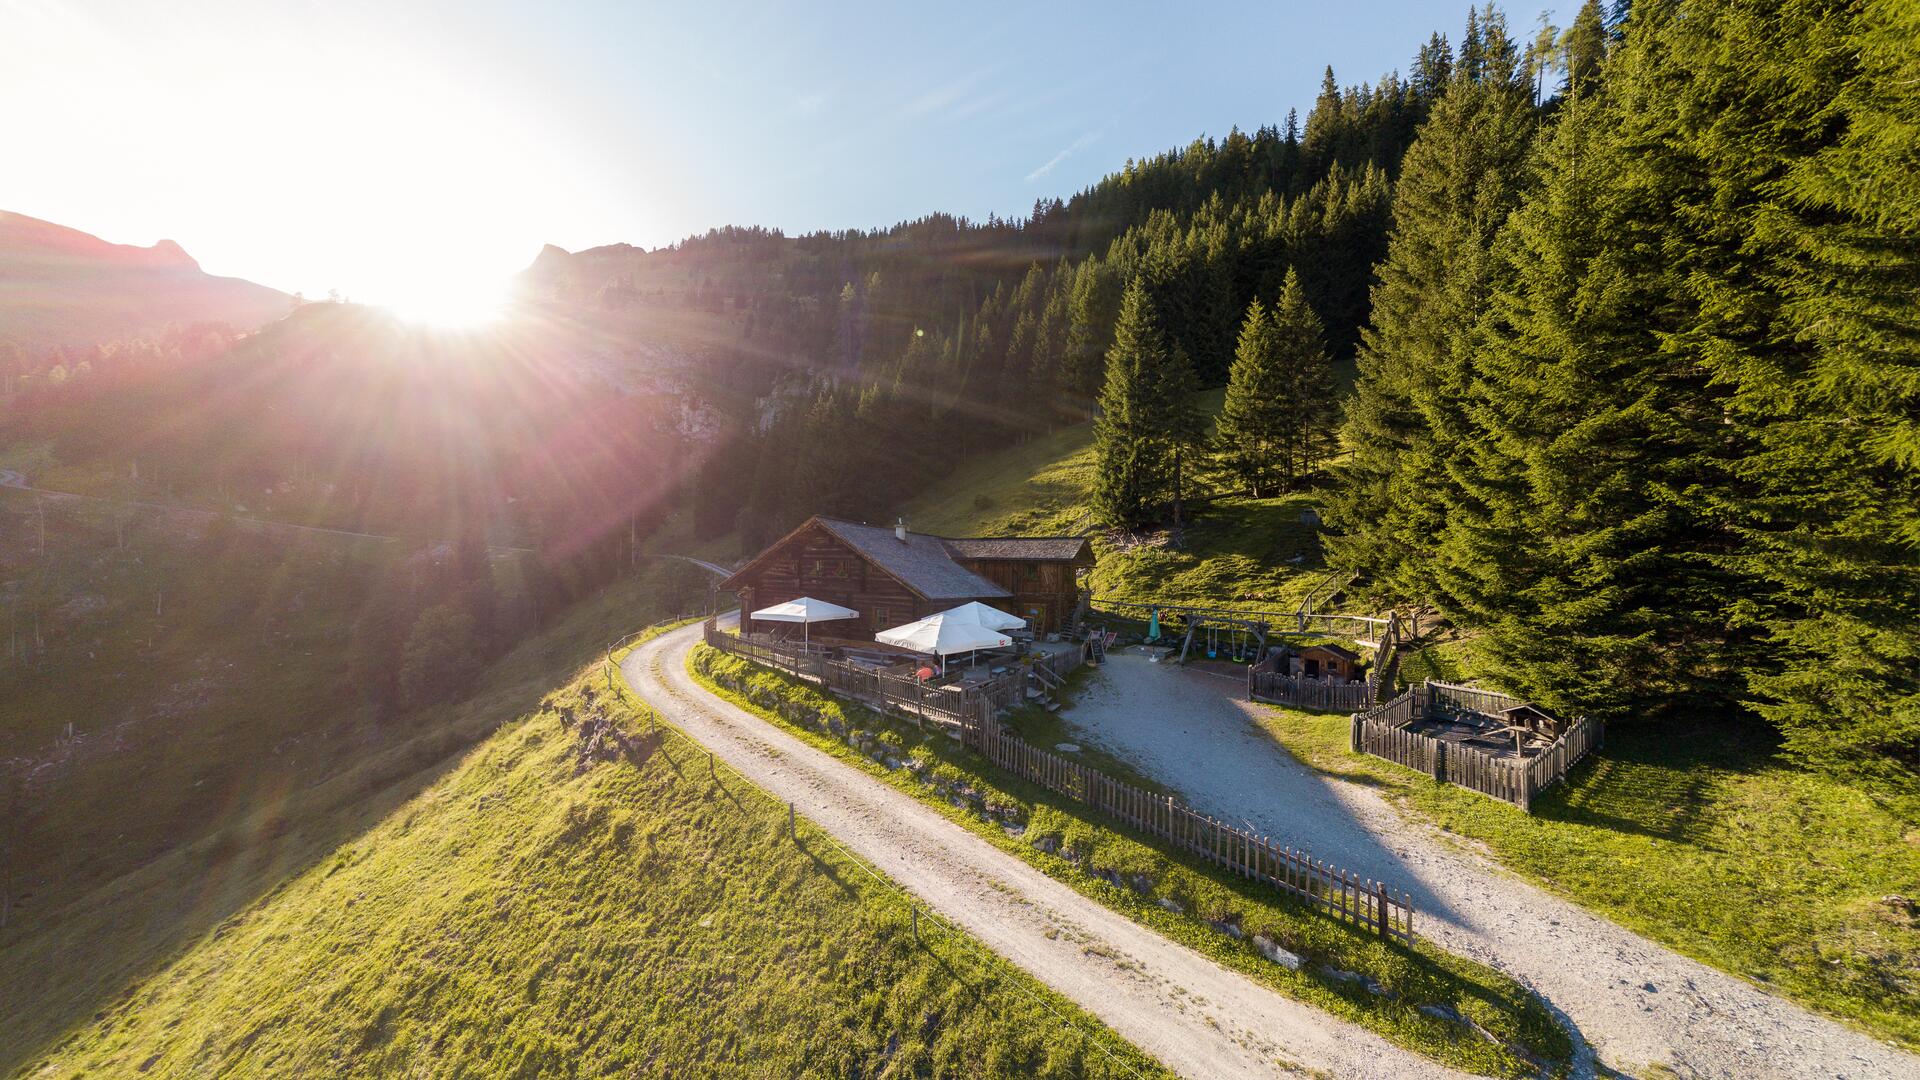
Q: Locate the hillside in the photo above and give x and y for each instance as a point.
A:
(1254, 553)
(217, 747)
(538, 912)
(68, 288)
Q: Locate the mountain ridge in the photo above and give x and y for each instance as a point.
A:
(68, 288)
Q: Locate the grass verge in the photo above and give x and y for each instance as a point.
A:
(1450, 1009)
(541, 912)
(1699, 838)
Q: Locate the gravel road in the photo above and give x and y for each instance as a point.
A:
(1196, 1017)
(1634, 1002)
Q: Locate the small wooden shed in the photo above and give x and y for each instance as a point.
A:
(1332, 662)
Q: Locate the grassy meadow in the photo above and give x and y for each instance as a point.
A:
(1257, 553)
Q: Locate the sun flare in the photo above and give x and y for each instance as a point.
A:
(450, 304)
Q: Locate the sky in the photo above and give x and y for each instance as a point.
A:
(396, 151)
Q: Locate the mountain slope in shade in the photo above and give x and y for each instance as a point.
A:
(60, 286)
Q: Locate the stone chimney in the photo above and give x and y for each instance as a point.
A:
(900, 529)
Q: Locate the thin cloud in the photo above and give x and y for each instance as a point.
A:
(1071, 149)
(945, 96)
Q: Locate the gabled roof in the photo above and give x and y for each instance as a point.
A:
(920, 562)
(1021, 548)
(1337, 650)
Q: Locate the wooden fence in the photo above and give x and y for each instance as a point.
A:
(1359, 901)
(1266, 684)
(1383, 731)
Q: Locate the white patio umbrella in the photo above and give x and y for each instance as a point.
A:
(990, 617)
(943, 635)
(806, 611)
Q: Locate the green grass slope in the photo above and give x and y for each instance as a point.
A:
(1255, 553)
(213, 763)
(530, 916)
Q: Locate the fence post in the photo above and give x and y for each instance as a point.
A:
(1353, 733)
(1439, 762)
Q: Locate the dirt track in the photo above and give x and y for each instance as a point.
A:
(1198, 1018)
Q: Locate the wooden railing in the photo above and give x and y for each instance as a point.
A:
(944, 704)
(1340, 893)
(1384, 732)
(940, 704)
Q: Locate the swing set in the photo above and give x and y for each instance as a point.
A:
(1244, 641)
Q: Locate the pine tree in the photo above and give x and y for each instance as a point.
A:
(1460, 179)
(1277, 418)
(1129, 477)
(1583, 47)
(1809, 313)
(1308, 393)
(1249, 438)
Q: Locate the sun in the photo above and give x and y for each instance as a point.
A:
(450, 302)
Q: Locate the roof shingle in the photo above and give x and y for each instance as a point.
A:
(921, 562)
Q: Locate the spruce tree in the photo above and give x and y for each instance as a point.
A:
(1810, 315)
(1130, 474)
(1177, 427)
(1311, 409)
(1249, 438)
(1277, 418)
(1461, 178)
(1583, 47)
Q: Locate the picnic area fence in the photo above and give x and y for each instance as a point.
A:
(1340, 893)
(948, 705)
(1384, 732)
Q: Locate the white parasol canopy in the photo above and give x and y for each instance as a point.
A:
(990, 617)
(943, 635)
(805, 611)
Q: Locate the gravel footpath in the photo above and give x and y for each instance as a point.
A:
(1634, 1002)
(1196, 1017)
